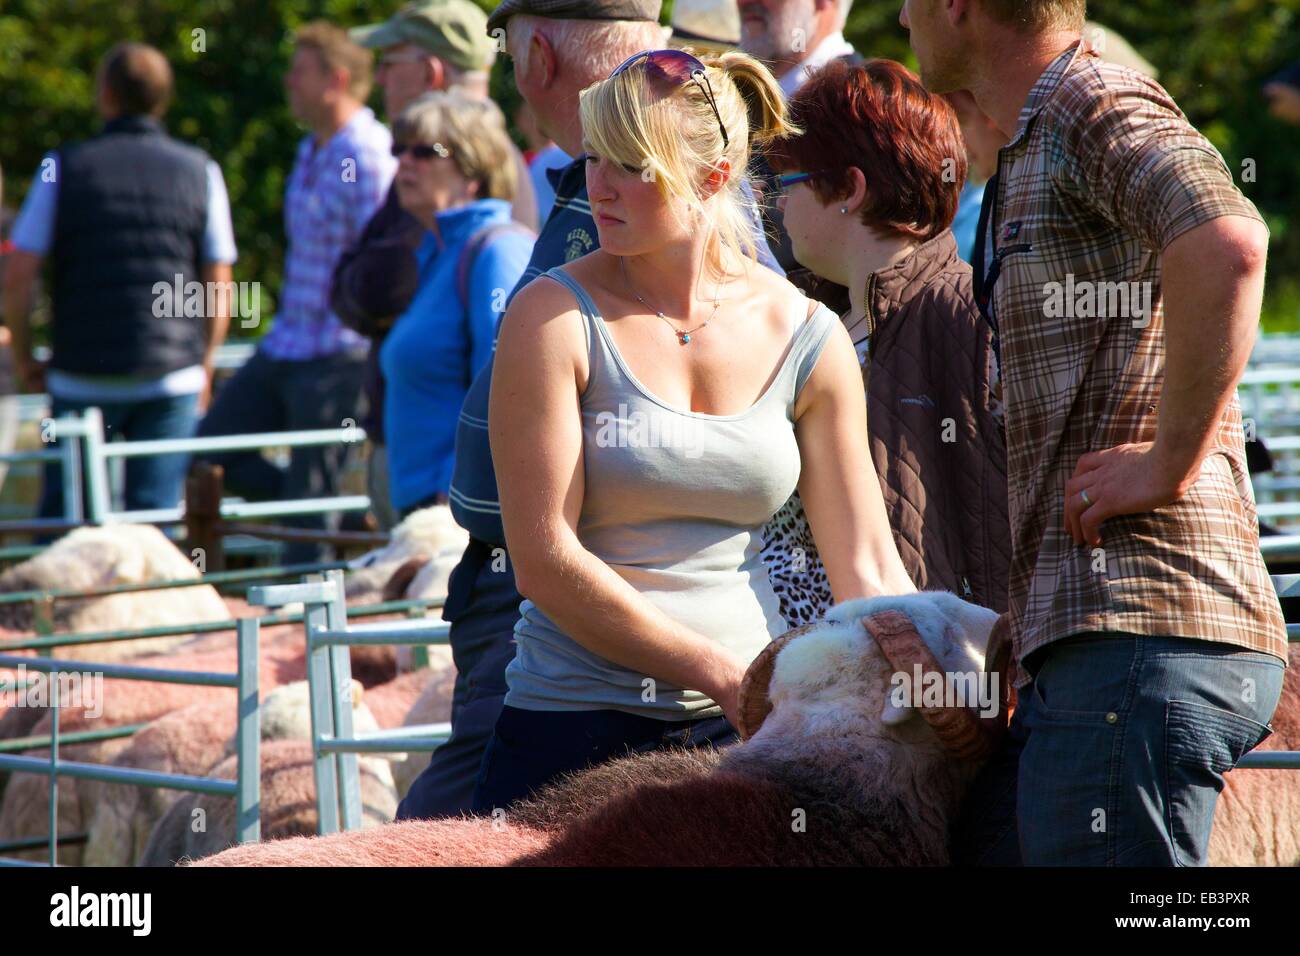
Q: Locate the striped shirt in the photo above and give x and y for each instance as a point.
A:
(1104, 171)
(333, 191)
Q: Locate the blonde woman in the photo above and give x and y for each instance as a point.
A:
(654, 403)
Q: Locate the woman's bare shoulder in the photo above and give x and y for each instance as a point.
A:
(783, 299)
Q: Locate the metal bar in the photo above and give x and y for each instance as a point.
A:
(319, 694)
(219, 443)
(248, 827)
(99, 504)
(304, 506)
(1270, 760)
(121, 671)
(211, 627)
(127, 775)
(386, 746)
(54, 768)
(33, 843)
(73, 507)
(277, 595)
(388, 632)
(216, 577)
(401, 733)
(341, 677)
(18, 457)
(246, 509)
(19, 744)
(282, 533)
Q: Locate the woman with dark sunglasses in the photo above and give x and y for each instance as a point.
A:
(654, 402)
(868, 194)
(455, 177)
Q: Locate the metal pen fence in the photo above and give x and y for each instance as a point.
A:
(245, 789)
(329, 684)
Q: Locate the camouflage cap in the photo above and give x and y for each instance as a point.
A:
(576, 10)
(454, 30)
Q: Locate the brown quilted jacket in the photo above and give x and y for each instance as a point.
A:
(933, 416)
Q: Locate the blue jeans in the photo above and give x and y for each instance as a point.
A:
(531, 748)
(1116, 753)
(152, 481)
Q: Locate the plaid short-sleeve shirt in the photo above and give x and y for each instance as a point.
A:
(1104, 171)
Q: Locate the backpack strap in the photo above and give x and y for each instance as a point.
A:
(474, 248)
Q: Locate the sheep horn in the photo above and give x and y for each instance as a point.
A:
(961, 730)
(754, 704)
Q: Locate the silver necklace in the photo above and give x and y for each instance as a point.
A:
(683, 338)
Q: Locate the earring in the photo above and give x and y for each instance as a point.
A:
(843, 209)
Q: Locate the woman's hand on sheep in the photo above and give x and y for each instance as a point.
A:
(724, 686)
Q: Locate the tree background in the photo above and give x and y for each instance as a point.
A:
(1213, 57)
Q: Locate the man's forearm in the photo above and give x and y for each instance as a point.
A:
(1213, 284)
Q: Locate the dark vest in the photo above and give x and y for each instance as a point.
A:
(132, 207)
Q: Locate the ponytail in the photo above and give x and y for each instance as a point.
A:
(768, 115)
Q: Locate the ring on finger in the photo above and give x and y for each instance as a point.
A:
(1086, 500)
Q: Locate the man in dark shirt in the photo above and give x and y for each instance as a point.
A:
(125, 219)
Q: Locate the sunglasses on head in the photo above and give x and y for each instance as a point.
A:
(420, 150)
(668, 69)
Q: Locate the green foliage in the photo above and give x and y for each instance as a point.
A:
(1213, 56)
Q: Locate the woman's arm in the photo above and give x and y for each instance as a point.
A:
(840, 491)
(535, 428)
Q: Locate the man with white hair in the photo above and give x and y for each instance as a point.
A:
(795, 37)
(560, 47)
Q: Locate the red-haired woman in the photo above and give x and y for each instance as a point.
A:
(869, 192)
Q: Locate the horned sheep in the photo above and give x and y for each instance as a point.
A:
(836, 768)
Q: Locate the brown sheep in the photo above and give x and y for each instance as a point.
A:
(840, 771)
(200, 825)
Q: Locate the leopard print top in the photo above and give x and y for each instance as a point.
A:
(794, 567)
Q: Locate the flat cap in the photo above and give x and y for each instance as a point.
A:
(575, 10)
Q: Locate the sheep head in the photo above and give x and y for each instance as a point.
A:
(891, 659)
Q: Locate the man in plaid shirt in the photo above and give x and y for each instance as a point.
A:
(1123, 272)
(307, 371)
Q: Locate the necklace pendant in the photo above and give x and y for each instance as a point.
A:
(661, 315)
(685, 337)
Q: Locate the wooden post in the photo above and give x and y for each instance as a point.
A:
(203, 490)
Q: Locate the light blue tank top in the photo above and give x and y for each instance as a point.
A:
(675, 504)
